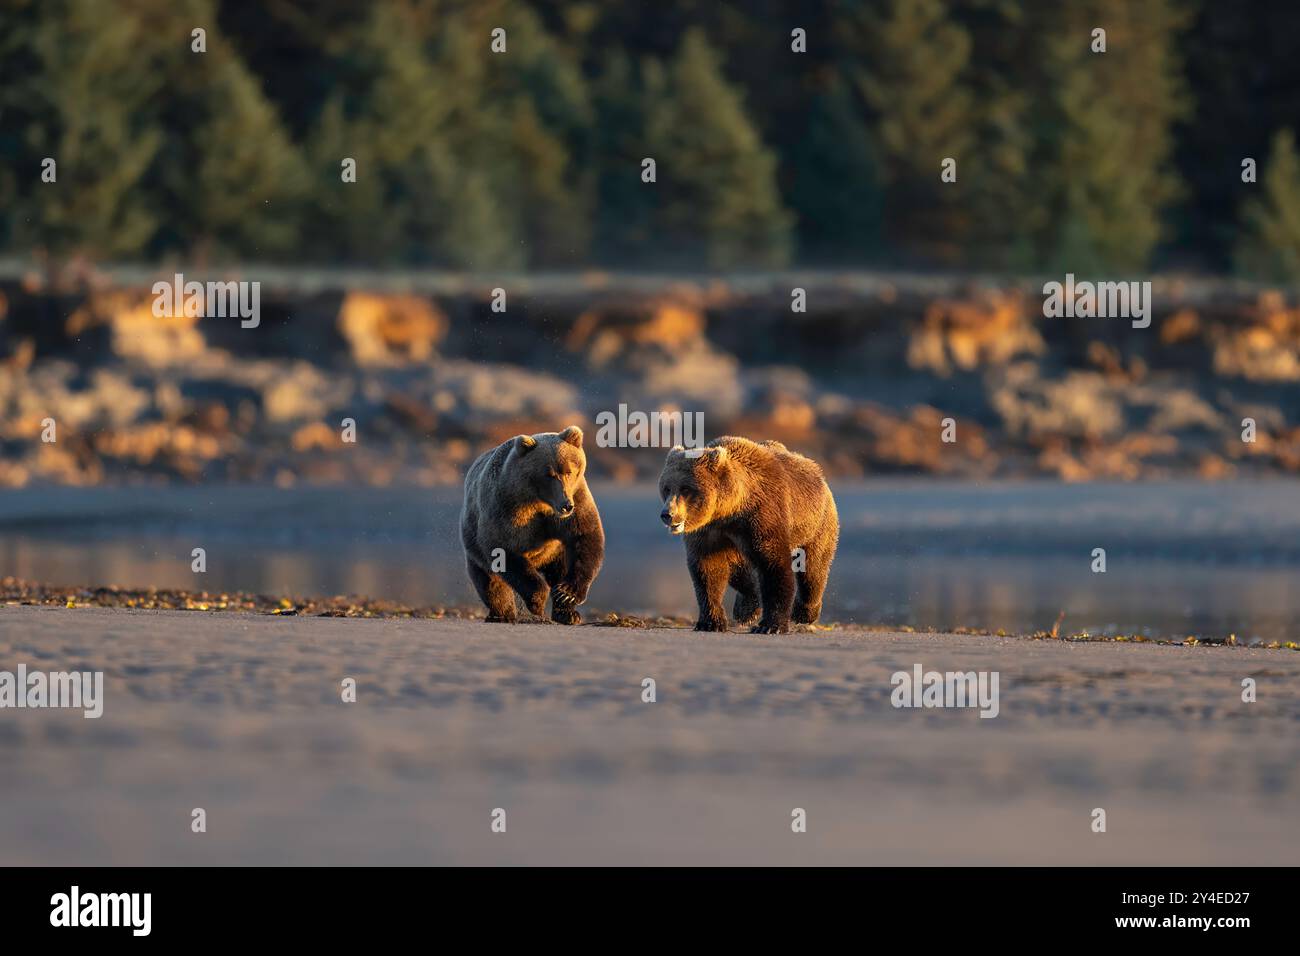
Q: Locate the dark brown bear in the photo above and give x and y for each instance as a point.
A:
(530, 526)
(745, 508)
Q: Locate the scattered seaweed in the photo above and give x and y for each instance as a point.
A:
(14, 591)
(614, 619)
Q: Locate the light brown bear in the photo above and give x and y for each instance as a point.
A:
(530, 526)
(758, 517)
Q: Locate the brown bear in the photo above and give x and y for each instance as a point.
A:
(758, 517)
(530, 526)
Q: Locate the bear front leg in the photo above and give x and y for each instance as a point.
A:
(709, 574)
(746, 607)
(811, 586)
(563, 608)
(528, 583)
(584, 554)
(812, 582)
(776, 589)
(496, 594)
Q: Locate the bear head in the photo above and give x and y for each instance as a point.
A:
(549, 467)
(690, 486)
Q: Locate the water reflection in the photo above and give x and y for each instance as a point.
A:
(1181, 558)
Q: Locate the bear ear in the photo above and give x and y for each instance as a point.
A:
(716, 457)
(524, 443)
(573, 435)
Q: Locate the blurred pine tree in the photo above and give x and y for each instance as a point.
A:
(1269, 245)
(458, 164)
(1104, 159)
(1067, 159)
(538, 91)
(624, 205)
(717, 196)
(1001, 209)
(836, 187)
(909, 59)
(79, 90)
(406, 108)
(233, 181)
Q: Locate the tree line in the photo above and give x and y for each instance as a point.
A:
(810, 134)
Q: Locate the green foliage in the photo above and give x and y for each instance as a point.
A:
(232, 180)
(471, 159)
(407, 115)
(457, 164)
(716, 191)
(836, 188)
(621, 92)
(1000, 196)
(152, 142)
(85, 103)
(1108, 119)
(1269, 246)
(910, 62)
(911, 77)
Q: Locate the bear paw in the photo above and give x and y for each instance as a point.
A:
(711, 624)
(494, 618)
(805, 615)
(767, 627)
(565, 595)
(565, 615)
(745, 610)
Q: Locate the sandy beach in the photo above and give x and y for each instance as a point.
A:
(241, 715)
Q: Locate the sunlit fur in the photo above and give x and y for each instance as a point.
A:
(529, 497)
(743, 507)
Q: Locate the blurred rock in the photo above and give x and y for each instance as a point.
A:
(135, 334)
(991, 329)
(383, 330)
(300, 392)
(863, 385)
(655, 351)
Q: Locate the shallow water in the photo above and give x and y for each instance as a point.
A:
(1181, 558)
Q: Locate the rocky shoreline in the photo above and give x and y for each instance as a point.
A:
(370, 385)
(15, 592)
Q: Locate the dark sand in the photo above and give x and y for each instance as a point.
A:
(241, 714)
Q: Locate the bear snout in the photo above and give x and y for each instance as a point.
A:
(565, 508)
(675, 526)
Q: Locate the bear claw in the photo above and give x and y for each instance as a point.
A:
(745, 612)
(804, 615)
(704, 624)
(564, 596)
(565, 615)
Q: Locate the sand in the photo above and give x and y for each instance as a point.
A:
(241, 715)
